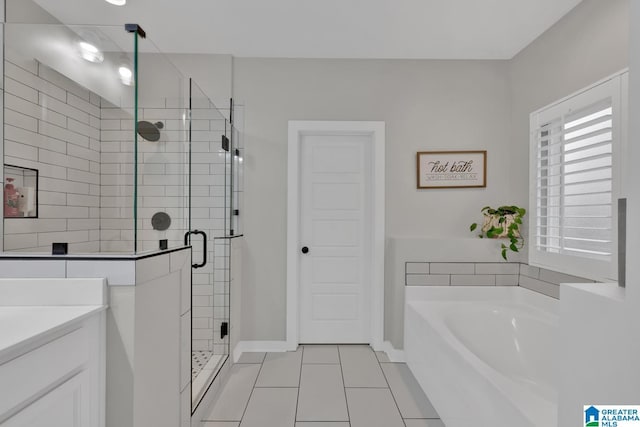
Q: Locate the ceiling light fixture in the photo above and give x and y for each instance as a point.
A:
(126, 75)
(90, 53)
(117, 2)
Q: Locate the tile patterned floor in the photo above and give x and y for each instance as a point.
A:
(321, 386)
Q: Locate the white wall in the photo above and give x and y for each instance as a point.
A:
(597, 359)
(633, 230)
(427, 105)
(588, 44)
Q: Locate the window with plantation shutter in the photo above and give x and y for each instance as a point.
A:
(575, 147)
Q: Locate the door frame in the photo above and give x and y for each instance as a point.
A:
(376, 131)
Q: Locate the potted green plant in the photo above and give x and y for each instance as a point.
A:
(503, 222)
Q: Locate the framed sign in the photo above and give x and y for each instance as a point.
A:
(452, 169)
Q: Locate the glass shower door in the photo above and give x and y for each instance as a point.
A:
(208, 157)
(162, 144)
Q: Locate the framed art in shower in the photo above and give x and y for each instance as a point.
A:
(451, 169)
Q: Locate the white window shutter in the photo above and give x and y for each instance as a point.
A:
(573, 182)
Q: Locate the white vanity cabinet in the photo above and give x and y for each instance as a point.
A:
(147, 363)
(52, 358)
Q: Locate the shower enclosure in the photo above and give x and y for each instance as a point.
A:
(109, 150)
(214, 157)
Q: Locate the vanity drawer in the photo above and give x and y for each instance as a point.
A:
(30, 375)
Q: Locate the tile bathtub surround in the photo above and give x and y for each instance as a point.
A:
(461, 273)
(546, 281)
(317, 392)
(536, 279)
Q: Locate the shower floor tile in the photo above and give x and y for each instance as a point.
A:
(199, 359)
(205, 366)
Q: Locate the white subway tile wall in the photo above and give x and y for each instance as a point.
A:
(452, 268)
(163, 179)
(10, 268)
(497, 268)
(210, 283)
(162, 175)
(428, 279)
(83, 148)
(221, 300)
(50, 123)
(547, 282)
(473, 279)
(417, 268)
(507, 279)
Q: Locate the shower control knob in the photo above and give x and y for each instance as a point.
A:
(305, 250)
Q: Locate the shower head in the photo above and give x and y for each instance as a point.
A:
(149, 131)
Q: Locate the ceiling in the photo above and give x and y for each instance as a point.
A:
(410, 29)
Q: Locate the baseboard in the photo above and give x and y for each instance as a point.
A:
(396, 356)
(258, 346)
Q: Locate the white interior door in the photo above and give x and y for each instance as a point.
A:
(335, 226)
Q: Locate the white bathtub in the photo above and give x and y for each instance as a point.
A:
(484, 355)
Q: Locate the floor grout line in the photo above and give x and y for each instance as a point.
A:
(391, 391)
(413, 418)
(318, 363)
(369, 388)
(346, 402)
(295, 417)
(246, 406)
(278, 386)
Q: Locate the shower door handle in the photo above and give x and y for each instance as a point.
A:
(204, 246)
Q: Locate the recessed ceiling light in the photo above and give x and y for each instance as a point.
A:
(90, 53)
(126, 76)
(117, 2)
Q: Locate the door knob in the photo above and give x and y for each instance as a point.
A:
(305, 250)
